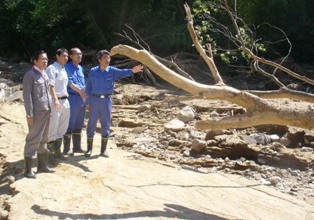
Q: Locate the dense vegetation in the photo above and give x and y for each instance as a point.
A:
(27, 25)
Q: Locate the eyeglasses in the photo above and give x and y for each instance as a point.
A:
(107, 57)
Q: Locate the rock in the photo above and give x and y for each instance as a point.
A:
(175, 125)
(187, 114)
(15, 96)
(311, 144)
(262, 139)
(10, 179)
(2, 95)
(186, 153)
(196, 134)
(214, 114)
(4, 214)
(198, 146)
(274, 137)
(248, 139)
(284, 160)
(274, 180)
(296, 136)
(212, 133)
(261, 160)
(118, 99)
(307, 149)
(285, 141)
(143, 108)
(308, 136)
(233, 147)
(176, 143)
(212, 143)
(273, 129)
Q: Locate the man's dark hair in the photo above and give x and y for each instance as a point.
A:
(71, 52)
(101, 53)
(61, 50)
(36, 55)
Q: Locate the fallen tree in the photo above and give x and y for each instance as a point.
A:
(259, 110)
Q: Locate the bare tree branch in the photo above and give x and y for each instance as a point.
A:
(258, 110)
(262, 60)
(209, 60)
(138, 41)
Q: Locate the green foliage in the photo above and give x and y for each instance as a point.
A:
(89, 24)
(14, 20)
(28, 25)
(294, 17)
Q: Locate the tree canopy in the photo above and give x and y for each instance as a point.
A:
(92, 24)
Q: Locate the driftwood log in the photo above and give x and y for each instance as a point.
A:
(259, 110)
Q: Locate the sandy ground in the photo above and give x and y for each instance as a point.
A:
(129, 186)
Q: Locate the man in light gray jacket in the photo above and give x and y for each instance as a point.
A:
(37, 107)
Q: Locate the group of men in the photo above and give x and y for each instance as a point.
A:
(56, 99)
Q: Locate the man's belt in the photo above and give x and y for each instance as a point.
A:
(63, 97)
(74, 93)
(101, 96)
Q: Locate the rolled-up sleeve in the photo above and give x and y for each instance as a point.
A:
(51, 74)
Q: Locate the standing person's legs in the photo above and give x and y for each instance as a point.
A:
(63, 118)
(42, 153)
(36, 140)
(95, 105)
(73, 101)
(53, 127)
(78, 126)
(37, 137)
(105, 121)
(63, 124)
(105, 117)
(53, 124)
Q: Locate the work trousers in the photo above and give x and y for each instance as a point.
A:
(59, 120)
(77, 113)
(37, 137)
(99, 108)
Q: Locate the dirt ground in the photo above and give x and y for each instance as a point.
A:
(129, 186)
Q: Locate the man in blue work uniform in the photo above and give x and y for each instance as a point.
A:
(99, 88)
(77, 97)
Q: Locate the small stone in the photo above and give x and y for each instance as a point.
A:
(10, 179)
(4, 214)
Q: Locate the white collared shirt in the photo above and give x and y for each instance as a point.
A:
(58, 78)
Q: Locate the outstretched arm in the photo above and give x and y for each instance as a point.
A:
(138, 68)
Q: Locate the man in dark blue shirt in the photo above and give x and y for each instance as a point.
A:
(99, 88)
(77, 97)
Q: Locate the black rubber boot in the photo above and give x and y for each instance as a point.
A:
(58, 153)
(103, 152)
(89, 147)
(51, 155)
(43, 164)
(66, 144)
(28, 168)
(76, 137)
